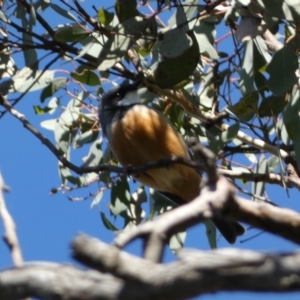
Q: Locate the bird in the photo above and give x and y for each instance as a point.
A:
(139, 134)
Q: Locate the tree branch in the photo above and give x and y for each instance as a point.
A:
(10, 235)
(196, 272)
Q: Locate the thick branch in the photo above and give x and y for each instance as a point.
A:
(54, 281)
(196, 272)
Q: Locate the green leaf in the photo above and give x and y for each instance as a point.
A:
(216, 146)
(124, 36)
(231, 132)
(85, 138)
(284, 62)
(107, 223)
(86, 77)
(63, 12)
(104, 16)
(190, 8)
(159, 202)
(206, 91)
(170, 71)
(126, 9)
(120, 196)
(41, 110)
(49, 124)
(66, 177)
(289, 10)
(3, 17)
(55, 85)
(97, 198)
(292, 121)
(247, 72)
(32, 16)
(27, 78)
(30, 54)
(70, 33)
(291, 116)
(117, 207)
(177, 241)
(271, 106)
(136, 212)
(205, 35)
(258, 188)
(65, 129)
(148, 37)
(174, 43)
(246, 108)
(95, 155)
(211, 233)
(273, 163)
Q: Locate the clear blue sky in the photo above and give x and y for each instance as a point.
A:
(46, 224)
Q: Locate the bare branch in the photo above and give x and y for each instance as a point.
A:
(54, 281)
(196, 272)
(272, 178)
(10, 235)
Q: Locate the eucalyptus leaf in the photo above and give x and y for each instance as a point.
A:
(284, 61)
(171, 71)
(231, 132)
(258, 188)
(107, 223)
(98, 197)
(25, 79)
(86, 77)
(95, 155)
(63, 12)
(70, 33)
(125, 34)
(104, 16)
(247, 72)
(211, 233)
(53, 86)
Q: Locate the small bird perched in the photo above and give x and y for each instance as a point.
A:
(138, 134)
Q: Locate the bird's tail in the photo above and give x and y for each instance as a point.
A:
(229, 229)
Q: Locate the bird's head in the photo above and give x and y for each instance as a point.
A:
(115, 102)
(121, 95)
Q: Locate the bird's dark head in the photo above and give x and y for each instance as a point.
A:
(121, 95)
(115, 102)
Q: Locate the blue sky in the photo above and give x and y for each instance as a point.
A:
(46, 224)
